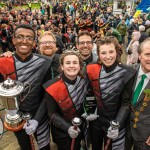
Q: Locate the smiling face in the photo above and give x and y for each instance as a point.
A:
(24, 41)
(107, 54)
(144, 57)
(47, 45)
(71, 66)
(85, 45)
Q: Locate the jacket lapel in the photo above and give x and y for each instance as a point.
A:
(142, 94)
(134, 84)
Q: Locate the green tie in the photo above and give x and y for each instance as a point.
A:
(138, 89)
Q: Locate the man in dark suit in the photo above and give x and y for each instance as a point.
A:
(139, 131)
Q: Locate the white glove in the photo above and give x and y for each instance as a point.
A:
(92, 117)
(30, 129)
(73, 132)
(112, 133)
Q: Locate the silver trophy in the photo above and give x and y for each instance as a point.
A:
(10, 96)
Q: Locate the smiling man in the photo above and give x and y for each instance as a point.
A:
(27, 67)
(84, 44)
(140, 115)
(47, 47)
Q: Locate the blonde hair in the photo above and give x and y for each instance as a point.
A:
(49, 33)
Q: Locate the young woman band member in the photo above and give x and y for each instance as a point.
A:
(64, 97)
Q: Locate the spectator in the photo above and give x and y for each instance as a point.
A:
(144, 35)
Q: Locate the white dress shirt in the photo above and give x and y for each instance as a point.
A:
(139, 79)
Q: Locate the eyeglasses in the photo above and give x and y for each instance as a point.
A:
(47, 42)
(85, 42)
(21, 38)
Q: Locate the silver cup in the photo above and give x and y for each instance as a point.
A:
(10, 95)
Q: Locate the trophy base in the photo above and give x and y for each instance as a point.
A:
(13, 128)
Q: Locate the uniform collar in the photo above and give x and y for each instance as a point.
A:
(68, 80)
(26, 60)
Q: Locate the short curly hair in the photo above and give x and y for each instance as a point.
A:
(71, 52)
(108, 40)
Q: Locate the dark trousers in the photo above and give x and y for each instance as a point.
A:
(24, 141)
(131, 144)
(65, 143)
(98, 136)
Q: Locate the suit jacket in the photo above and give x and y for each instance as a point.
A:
(142, 131)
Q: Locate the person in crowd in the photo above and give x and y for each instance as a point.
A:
(59, 43)
(144, 35)
(33, 69)
(147, 26)
(138, 129)
(111, 83)
(112, 21)
(69, 38)
(134, 26)
(114, 32)
(4, 36)
(133, 47)
(64, 98)
(122, 28)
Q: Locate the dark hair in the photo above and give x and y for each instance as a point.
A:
(24, 26)
(109, 40)
(142, 44)
(83, 33)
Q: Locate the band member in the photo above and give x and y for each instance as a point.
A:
(33, 69)
(81, 25)
(111, 83)
(102, 27)
(89, 23)
(69, 37)
(64, 97)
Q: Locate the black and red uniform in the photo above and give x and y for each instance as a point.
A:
(112, 87)
(89, 25)
(64, 100)
(34, 70)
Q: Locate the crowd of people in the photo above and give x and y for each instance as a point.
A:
(71, 56)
